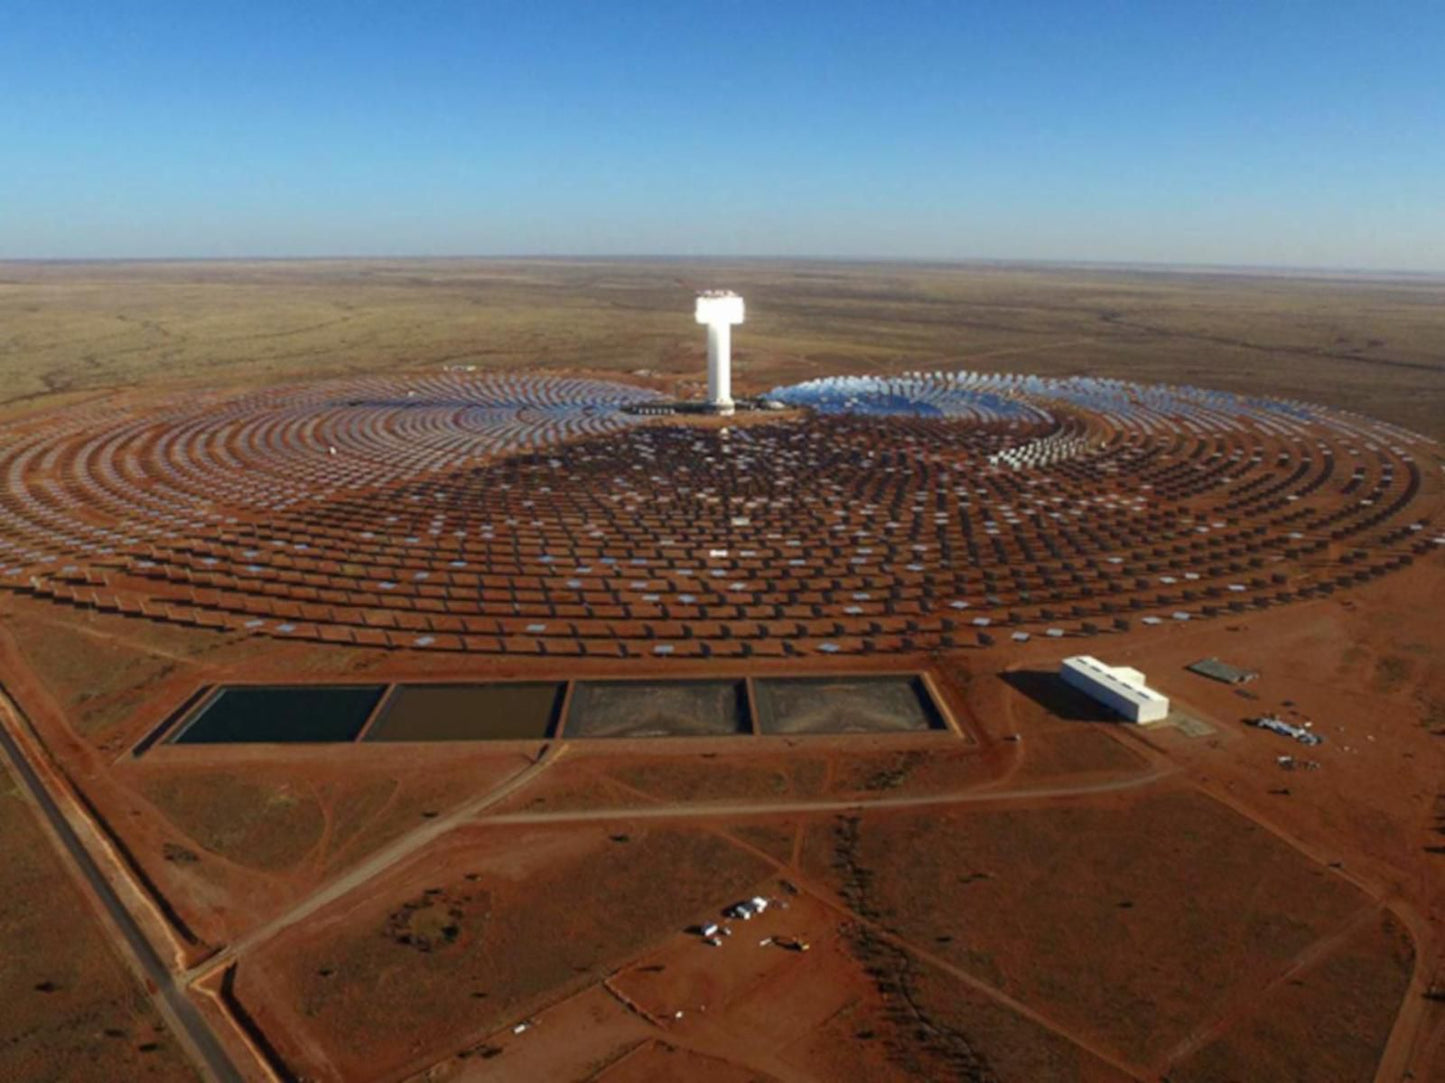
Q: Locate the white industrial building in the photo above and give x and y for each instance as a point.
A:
(719, 310)
(1119, 688)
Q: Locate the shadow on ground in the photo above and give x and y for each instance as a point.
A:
(1048, 690)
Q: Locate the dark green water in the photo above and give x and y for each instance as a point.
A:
(282, 714)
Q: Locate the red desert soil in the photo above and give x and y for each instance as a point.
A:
(930, 1025)
(1372, 800)
(435, 954)
(598, 1030)
(282, 791)
(1324, 1024)
(254, 856)
(661, 1060)
(71, 1009)
(1127, 920)
(232, 839)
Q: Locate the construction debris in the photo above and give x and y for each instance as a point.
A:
(1289, 763)
(1280, 726)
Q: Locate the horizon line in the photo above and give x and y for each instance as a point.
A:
(1165, 266)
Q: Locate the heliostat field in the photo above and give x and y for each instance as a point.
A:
(519, 515)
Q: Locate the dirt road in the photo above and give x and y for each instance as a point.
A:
(186, 1023)
(376, 864)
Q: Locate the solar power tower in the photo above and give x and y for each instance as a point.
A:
(719, 310)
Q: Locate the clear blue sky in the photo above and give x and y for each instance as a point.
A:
(1306, 133)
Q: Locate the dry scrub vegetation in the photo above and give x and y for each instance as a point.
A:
(1374, 344)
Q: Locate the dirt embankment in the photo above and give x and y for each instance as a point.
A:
(920, 1043)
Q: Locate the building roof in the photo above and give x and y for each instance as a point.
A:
(1221, 671)
(1128, 682)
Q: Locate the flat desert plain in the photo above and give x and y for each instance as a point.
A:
(1028, 890)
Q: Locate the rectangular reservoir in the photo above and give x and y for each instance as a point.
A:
(819, 705)
(504, 711)
(676, 708)
(282, 714)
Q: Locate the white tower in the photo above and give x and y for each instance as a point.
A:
(719, 309)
